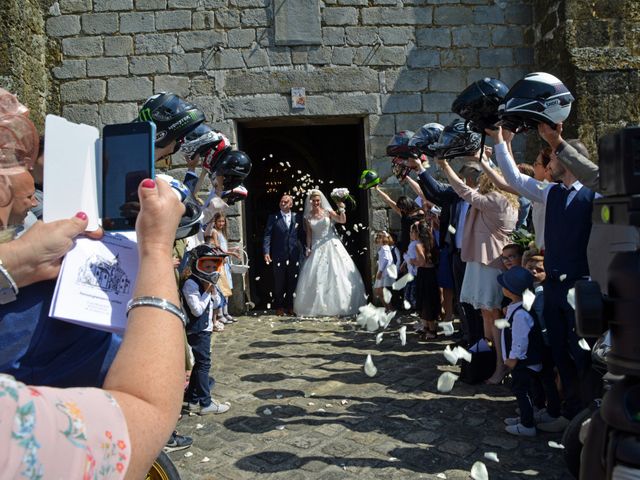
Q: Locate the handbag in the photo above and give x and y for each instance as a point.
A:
(482, 365)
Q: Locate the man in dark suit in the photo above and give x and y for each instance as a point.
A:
(283, 241)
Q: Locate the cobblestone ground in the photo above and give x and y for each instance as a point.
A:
(302, 408)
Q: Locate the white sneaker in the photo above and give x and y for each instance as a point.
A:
(215, 407)
(521, 430)
(511, 420)
(218, 326)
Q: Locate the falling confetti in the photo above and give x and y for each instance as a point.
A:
(369, 368)
(392, 271)
(257, 278)
(501, 323)
(584, 345)
(479, 471)
(553, 444)
(493, 456)
(447, 328)
(571, 297)
(386, 295)
(402, 331)
(402, 282)
(406, 305)
(528, 298)
(379, 338)
(446, 381)
(452, 229)
(188, 454)
(343, 402)
(463, 353)
(563, 277)
(268, 306)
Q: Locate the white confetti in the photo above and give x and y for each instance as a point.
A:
(279, 427)
(279, 396)
(348, 233)
(446, 381)
(328, 405)
(199, 426)
(355, 228)
(369, 368)
(479, 471)
(386, 295)
(343, 402)
(463, 353)
(571, 297)
(406, 305)
(493, 456)
(553, 444)
(452, 229)
(402, 331)
(528, 298)
(402, 282)
(268, 306)
(501, 323)
(392, 271)
(257, 278)
(205, 460)
(379, 338)
(188, 454)
(266, 411)
(584, 345)
(311, 403)
(321, 410)
(563, 277)
(441, 475)
(450, 355)
(281, 164)
(540, 185)
(447, 328)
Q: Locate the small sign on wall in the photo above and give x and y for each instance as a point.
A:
(298, 98)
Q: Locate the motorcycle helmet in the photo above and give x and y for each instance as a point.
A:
(192, 217)
(456, 141)
(399, 144)
(427, 135)
(200, 140)
(173, 117)
(206, 252)
(538, 97)
(236, 195)
(234, 166)
(478, 103)
(368, 179)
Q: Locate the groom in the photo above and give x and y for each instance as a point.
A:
(283, 241)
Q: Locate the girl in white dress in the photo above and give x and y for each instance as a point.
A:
(329, 282)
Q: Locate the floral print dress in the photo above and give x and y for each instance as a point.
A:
(60, 433)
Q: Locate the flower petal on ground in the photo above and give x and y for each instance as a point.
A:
(553, 444)
(402, 331)
(479, 471)
(463, 353)
(402, 282)
(447, 328)
(493, 456)
(386, 295)
(379, 338)
(392, 270)
(450, 355)
(369, 368)
(446, 381)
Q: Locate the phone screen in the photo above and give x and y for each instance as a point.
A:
(127, 159)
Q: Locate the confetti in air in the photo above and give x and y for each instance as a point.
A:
(528, 298)
(571, 297)
(402, 282)
(386, 295)
(452, 229)
(450, 355)
(584, 345)
(369, 368)
(392, 271)
(553, 444)
(501, 323)
(563, 277)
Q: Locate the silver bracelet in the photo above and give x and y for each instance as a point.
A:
(157, 302)
(8, 287)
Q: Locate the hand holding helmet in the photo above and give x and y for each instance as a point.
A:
(478, 103)
(368, 179)
(457, 140)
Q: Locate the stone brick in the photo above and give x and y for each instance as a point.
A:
(82, 46)
(155, 43)
(255, 17)
(361, 35)
(187, 62)
(437, 102)
(229, 59)
(446, 118)
(184, 3)
(151, 4)
(203, 21)
(298, 57)
(380, 219)
(354, 3)
(70, 69)
(117, 112)
(240, 38)
(398, 103)
(380, 56)
(487, 15)
(200, 40)
(228, 18)
(474, 74)
(83, 91)
(496, 57)
(279, 55)
(397, 16)
(203, 85)
(149, 65)
(94, 23)
(412, 121)
(382, 124)
(87, 114)
(118, 46)
(404, 80)
(519, 14)
(129, 89)
(250, 3)
(173, 20)
(423, 58)
(63, 26)
(511, 75)
(265, 37)
(111, 5)
(210, 106)
(433, 37)
(448, 80)
(339, 16)
(342, 55)
(75, 6)
(319, 55)
(106, 67)
(396, 35)
(333, 36)
(256, 57)
(507, 36)
(450, 15)
(459, 57)
(170, 83)
(137, 22)
(471, 36)
(523, 56)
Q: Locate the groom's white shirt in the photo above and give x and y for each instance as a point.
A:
(287, 218)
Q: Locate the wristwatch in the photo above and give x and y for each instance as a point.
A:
(8, 287)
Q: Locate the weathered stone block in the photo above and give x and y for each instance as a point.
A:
(200, 40)
(297, 23)
(397, 16)
(82, 46)
(361, 35)
(396, 35)
(70, 69)
(405, 80)
(241, 38)
(151, 4)
(250, 3)
(523, 56)
(340, 16)
(149, 65)
(380, 220)
(487, 15)
(137, 22)
(459, 57)
(187, 62)
(255, 17)
(229, 59)
(173, 20)
(433, 37)
(377, 55)
(342, 55)
(184, 3)
(382, 124)
(448, 80)
(118, 46)
(471, 36)
(63, 26)
(437, 102)
(87, 114)
(202, 85)
(520, 14)
(203, 21)
(507, 36)
(170, 83)
(129, 89)
(412, 121)
(510, 75)
(83, 91)
(474, 74)
(106, 67)
(210, 105)
(496, 57)
(256, 57)
(112, 5)
(155, 43)
(94, 23)
(449, 15)
(319, 55)
(398, 103)
(333, 36)
(354, 3)
(265, 37)
(75, 6)
(279, 55)
(228, 18)
(423, 58)
(117, 112)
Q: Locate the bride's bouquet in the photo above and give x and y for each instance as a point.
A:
(343, 195)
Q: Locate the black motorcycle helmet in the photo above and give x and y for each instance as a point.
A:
(427, 135)
(234, 166)
(456, 141)
(399, 145)
(538, 97)
(368, 179)
(174, 117)
(201, 139)
(193, 214)
(206, 252)
(478, 103)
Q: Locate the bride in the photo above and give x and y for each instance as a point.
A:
(329, 283)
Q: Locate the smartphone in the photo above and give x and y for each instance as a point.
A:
(127, 159)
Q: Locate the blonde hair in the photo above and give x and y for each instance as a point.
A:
(387, 239)
(485, 185)
(532, 254)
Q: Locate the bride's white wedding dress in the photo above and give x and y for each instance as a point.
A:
(329, 283)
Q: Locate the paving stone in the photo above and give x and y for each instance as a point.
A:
(457, 448)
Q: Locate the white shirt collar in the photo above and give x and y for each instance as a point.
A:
(285, 214)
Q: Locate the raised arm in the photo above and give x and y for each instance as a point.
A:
(341, 216)
(434, 191)
(387, 199)
(415, 186)
(468, 194)
(496, 178)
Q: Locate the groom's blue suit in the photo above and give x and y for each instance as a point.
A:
(285, 246)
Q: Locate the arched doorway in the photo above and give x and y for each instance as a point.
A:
(291, 159)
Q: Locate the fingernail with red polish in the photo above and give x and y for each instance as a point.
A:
(148, 183)
(81, 215)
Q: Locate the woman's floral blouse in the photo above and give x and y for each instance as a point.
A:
(54, 433)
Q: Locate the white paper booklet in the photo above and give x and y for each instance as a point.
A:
(96, 281)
